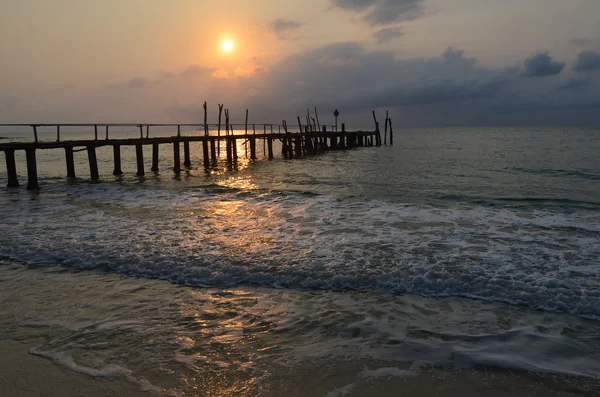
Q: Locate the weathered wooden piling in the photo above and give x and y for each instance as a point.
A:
(94, 176)
(139, 156)
(270, 147)
(70, 161)
(234, 147)
(117, 160)
(155, 153)
(391, 132)
(206, 159)
(252, 148)
(176, 158)
(11, 168)
(343, 143)
(187, 161)
(213, 151)
(32, 179)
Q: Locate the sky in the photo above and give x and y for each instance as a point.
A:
(428, 62)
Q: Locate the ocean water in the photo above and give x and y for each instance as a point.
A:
(454, 248)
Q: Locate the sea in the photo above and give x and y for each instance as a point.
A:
(460, 250)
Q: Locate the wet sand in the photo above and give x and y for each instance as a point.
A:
(24, 375)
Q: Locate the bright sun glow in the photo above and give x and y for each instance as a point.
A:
(227, 45)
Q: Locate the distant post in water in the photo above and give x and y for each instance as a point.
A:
(32, 180)
(176, 158)
(391, 132)
(336, 113)
(117, 159)
(154, 157)
(139, 155)
(11, 168)
(187, 161)
(91, 149)
(70, 161)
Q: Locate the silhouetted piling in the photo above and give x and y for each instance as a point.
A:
(187, 161)
(252, 148)
(176, 158)
(117, 160)
(391, 132)
(270, 147)
(11, 168)
(139, 156)
(32, 179)
(205, 156)
(213, 151)
(70, 161)
(154, 157)
(94, 176)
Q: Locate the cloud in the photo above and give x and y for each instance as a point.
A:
(587, 60)
(574, 83)
(578, 41)
(386, 35)
(282, 27)
(383, 12)
(138, 82)
(542, 65)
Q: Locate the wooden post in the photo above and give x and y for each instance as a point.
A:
(317, 117)
(205, 153)
(205, 120)
(32, 180)
(35, 135)
(176, 158)
(178, 131)
(154, 157)
(117, 160)
(70, 161)
(139, 155)
(95, 132)
(91, 149)
(219, 129)
(246, 125)
(213, 150)
(386, 127)
(391, 132)
(270, 147)
(228, 139)
(11, 168)
(147, 131)
(141, 132)
(234, 146)
(187, 161)
(58, 133)
(107, 133)
(343, 137)
(252, 148)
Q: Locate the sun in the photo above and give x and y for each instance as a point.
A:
(227, 45)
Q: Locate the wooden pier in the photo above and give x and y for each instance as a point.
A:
(308, 139)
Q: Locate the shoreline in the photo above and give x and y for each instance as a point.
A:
(25, 375)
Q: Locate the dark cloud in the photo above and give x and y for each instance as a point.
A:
(578, 41)
(383, 12)
(542, 65)
(282, 27)
(574, 83)
(587, 60)
(386, 35)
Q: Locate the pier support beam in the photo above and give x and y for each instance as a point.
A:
(176, 158)
(11, 168)
(139, 156)
(70, 162)
(234, 148)
(187, 161)
(93, 163)
(228, 145)
(117, 160)
(154, 157)
(205, 157)
(270, 147)
(252, 148)
(213, 151)
(32, 179)
(343, 137)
